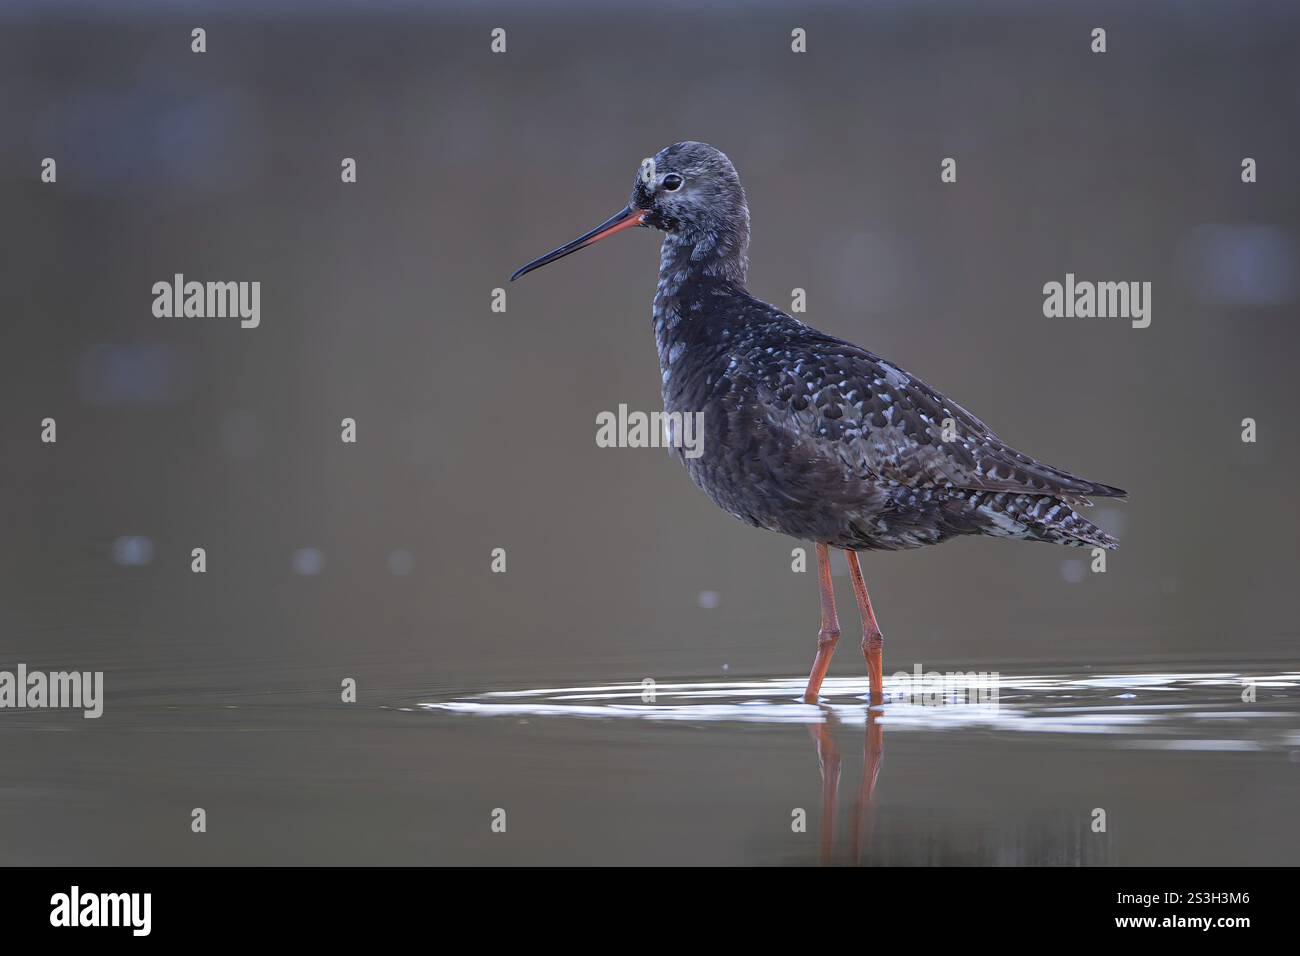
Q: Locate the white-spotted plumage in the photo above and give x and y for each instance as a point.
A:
(810, 435)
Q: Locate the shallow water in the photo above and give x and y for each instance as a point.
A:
(1211, 710)
(999, 769)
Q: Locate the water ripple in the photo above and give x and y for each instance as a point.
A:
(1210, 710)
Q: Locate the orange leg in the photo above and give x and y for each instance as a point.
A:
(829, 634)
(873, 642)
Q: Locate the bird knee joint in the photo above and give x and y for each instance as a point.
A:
(828, 635)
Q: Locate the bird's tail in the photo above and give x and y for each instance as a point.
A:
(1041, 518)
(1075, 531)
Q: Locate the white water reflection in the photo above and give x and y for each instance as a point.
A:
(1173, 711)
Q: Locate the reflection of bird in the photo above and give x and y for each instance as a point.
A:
(828, 758)
(807, 434)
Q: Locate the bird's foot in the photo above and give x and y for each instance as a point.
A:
(827, 638)
(873, 649)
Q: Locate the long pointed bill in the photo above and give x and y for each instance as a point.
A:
(624, 219)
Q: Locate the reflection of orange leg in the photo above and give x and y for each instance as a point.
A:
(873, 642)
(829, 759)
(873, 749)
(830, 629)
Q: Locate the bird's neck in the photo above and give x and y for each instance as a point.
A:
(721, 254)
(692, 271)
(687, 262)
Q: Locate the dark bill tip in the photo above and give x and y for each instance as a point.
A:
(623, 219)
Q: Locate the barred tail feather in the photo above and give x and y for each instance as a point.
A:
(1040, 518)
(1079, 532)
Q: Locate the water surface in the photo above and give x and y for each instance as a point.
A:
(712, 771)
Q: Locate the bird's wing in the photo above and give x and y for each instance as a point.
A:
(888, 425)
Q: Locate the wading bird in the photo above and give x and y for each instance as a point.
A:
(806, 434)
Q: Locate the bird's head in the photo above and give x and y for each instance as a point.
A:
(688, 190)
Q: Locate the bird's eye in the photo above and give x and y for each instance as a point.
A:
(673, 182)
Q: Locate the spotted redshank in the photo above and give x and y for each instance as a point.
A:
(809, 435)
